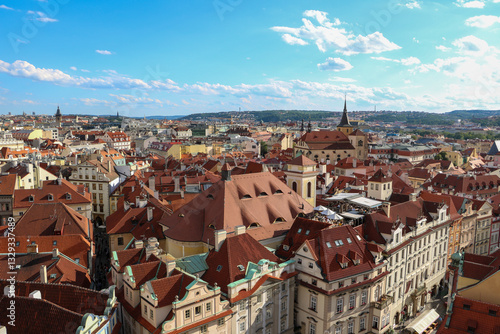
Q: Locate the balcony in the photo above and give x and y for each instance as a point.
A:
(382, 303)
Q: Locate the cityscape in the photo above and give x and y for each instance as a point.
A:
(249, 167)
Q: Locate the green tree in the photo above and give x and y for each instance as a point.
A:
(263, 148)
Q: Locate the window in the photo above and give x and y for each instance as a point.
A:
(338, 330)
(243, 305)
(353, 280)
(100, 186)
(350, 327)
(197, 310)
(151, 314)
(352, 301)
(309, 189)
(492, 313)
(242, 327)
(283, 304)
(209, 307)
(466, 307)
(311, 265)
(340, 305)
(187, 314)
(313, 303)
(341, 284)
(294, 186)
(269, 313)
(362, 324)
(314, 282)
(93, 186)
(221, 322)
(312, 328)
(283, 325)
(120, 241)
(145, 308)
(204, 329)
(375, 322)
(363, 297)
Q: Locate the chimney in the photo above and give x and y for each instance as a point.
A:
(137, 201)
(109, 165)
(226, 172)
(55, 253)
(32, 248)
(170, 268)
(150, 213)
(37, 294)
(386, 206)
(152, 183)
(182, 193)
(177, 184)
(43, 273)
(152, 247)
(139, 244)
(220, 237)
(126, 206)
(240, 229)
(354, 163)
(413, 197)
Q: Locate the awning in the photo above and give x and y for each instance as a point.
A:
(349, 215)
(422, 322)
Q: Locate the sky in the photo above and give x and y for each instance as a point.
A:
(166, 57)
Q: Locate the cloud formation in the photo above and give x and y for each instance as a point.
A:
(482, 21)
(104, 52)
(327, 35)
(335, 64)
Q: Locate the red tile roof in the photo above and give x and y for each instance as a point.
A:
(53, 219)
(7, 184)
(301, 160)
(235, 251)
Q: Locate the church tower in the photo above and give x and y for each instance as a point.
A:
(344, 125)
(301, 174)
(58, 117)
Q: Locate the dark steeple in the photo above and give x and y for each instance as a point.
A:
(345, 119)
(302, 126)
(309, 126)
(58, 112)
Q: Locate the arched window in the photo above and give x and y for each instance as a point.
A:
(309, 189)
(294, 186)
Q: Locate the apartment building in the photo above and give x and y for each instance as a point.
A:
(101, 179)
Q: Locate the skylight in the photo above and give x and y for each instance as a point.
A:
(219, 267)
(349, 240)
(328, 244)
(240, 267)
(359, 238)
(300, 230)
(307, 232)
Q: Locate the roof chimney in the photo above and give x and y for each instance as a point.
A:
(170, 267)
(55, 253)
(240, 229)
(139, 244)
(137, 201)
(226, 172)
(32, 248)
(152, 183)
(150, 213)
(43, 273)
(386, 206)
(177, 184)
(220, 237)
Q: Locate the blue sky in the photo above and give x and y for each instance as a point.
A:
(178, 57)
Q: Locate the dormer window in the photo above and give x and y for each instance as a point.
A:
(68, 196)
(240, 267)
(210, 196)
(219, 268)
(31, 198)
(278, 192)
(50, 197)
(246, 196)
(262, 194)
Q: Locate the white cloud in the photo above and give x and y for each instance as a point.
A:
(443, 48)
(471, 45)
(73, 68)
(293, 40)
(416, 40)
(23, 69)
(482, 21)
(470, 4)
(41, 17)
(413, 4)
(404, 61)
(5, 7)
(340, 79)
(327, 35)
(335, 64)
(104, 52)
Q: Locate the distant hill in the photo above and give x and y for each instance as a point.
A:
(267, 115)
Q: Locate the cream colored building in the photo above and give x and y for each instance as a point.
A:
(301, 175)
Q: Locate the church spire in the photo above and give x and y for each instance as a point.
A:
(345, 119)
(302, 126)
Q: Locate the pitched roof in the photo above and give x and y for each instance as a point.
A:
(167, 288)
(53, 219)
(7, 184)
(324, 136)
(301, 160)
(258, 198)
(237, 250)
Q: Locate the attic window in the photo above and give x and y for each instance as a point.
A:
(343, 265)
(349, 240)
(68, 196)
(53, 275)
(280, 220)
(328, 244)
(54, 243)
(247, 196)
(262, 194)
(253, 225)
(210, 196)
(300, 230)
(278, 192)
(31, 198)
(211, 226)
(181, 215)
(356, 262)
(339, 243)
(17, 243)
(219, 268)
(50, 197)
(359, 238)
(286, 248)
(307, 232)
(240, 267)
